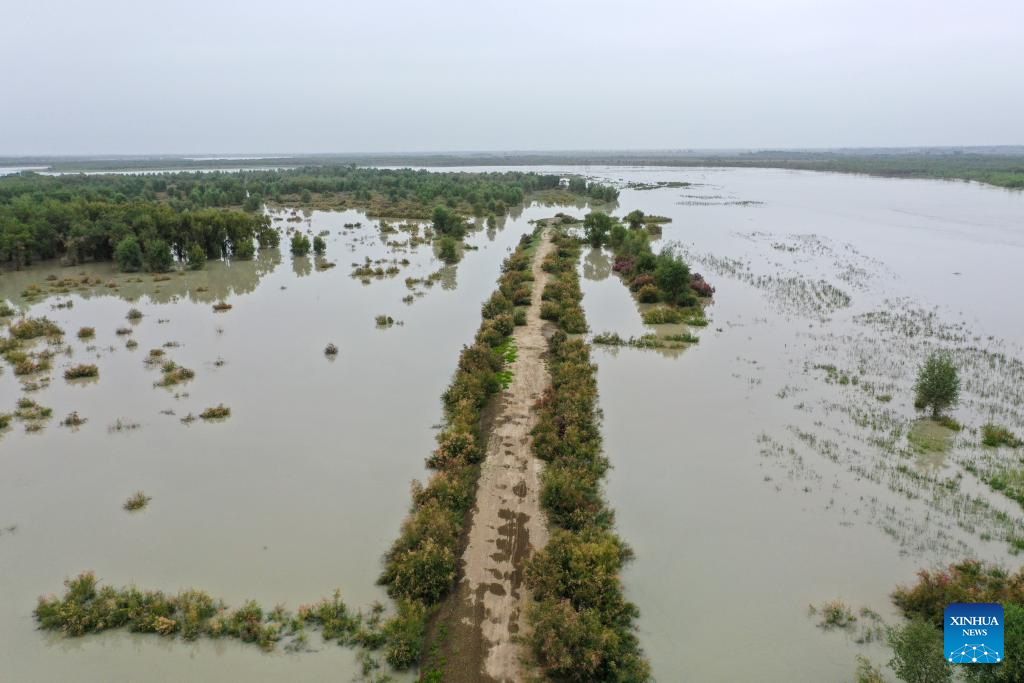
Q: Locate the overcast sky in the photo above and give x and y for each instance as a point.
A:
(187, 76)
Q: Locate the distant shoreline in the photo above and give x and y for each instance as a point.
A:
(999, 166)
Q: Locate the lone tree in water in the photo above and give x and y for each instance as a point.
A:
(938, 384)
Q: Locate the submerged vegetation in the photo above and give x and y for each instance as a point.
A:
(81, 371)
(136, 501)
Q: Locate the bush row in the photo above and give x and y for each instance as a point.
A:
(421, 566)
(562, 294)
(582, 627)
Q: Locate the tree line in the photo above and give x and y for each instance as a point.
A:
(85, 217)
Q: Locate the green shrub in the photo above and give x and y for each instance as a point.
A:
(300, 244)
(918, 653)
(319, 245)
(582, 626)
(244, 248)
(663, 316)
(137, 501)
(158, 256)
(994, 436)
(448, 249)
(218, 412)
(966, 581)
(196, 257)
(81, 371)
(31, 328)
(128, 255)
(648, 294)
(575, 646)
(403, 635)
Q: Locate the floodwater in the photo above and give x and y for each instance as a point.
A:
(735, 535)
(750, 483)
(299, 492)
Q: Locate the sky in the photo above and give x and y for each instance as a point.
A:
(307, 76)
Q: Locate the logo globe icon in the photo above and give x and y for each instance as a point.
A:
(974, 654)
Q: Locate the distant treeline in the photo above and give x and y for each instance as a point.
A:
(86, 217)
(1002, 166)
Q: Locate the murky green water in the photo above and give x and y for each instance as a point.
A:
(748, 483)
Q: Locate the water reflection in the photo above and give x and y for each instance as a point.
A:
(597, 265)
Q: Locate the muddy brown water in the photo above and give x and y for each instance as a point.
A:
(747, 484)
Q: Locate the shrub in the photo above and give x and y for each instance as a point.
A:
(319, 245)
(128, 255)
(158, 256)
(196, 256)
(994, 436)
(31, 328)
(496, 305)
(641, 281)
(6, 310)
(448, 249)
(403, 635)
(648, 294)
(938, 384)
(80, 371)
(300, 244)
(918, 653)
(137, 501)
(662, 316)
(74, 420)
(572, 645)
(699, 285)
(520, 316)
(173, 374)
(218, 412)
(331, 350)
(671, 275)
(424, 573)
(222, 306)
(86, 332)
(966, 581)
(134, 314)
(244, 249)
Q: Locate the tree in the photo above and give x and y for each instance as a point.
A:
(196, 256)
(671, 275)
(300, 244)
(158, 256)
(596, 226)
(447, 222)
(917, 655)
(938, 384)
(635, 219)
(128, 255)
(319, 245)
